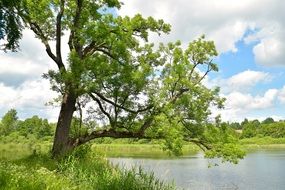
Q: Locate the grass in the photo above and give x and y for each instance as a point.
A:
(263, 143)
(139, 150)
(25, 167)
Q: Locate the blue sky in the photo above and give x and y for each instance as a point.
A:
(249, 35)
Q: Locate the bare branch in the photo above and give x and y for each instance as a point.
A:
(206, 73)
(120, 106)
(37, 30)
(101, 108)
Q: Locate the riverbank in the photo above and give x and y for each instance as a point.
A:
(26, 169)
(28, 165)
(16, 150)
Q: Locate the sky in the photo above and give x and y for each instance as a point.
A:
(249, 36)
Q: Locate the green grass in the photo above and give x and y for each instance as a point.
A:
(16, 150)
(139, 150)
(25, 167)
(263, 140)
(263, 143)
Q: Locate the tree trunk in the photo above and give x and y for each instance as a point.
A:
(61, 143)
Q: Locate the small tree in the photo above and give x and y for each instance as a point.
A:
(9, 122)
(129, 86)
(268, 120)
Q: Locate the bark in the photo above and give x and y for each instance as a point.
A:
(61, 143)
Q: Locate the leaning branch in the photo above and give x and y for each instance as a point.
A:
(107, 133)
(203, 145)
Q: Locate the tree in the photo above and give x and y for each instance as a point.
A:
(268, 120)
(130, 87)
(9, 121)
(35, 125)
(250, 128)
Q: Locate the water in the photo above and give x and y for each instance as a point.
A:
(260, 170)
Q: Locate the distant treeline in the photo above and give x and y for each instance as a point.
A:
(255, 128)
(36, 127)
(30, 127)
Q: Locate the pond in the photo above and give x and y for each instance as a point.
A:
(260, 170)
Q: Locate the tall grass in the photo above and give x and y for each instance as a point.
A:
(83, 169)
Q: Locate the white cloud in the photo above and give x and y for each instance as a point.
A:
(29, 99)
(270, 52)
(29, 63)
(225, 22)
(21, 85)
(247, 79)
(243, 81)
(281, 95)
(242, 105)
(238, 100)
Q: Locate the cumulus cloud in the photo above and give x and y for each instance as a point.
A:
(281, 95)
(21, 84)
(225, 22)
(29, 63)
(240, 102)
(29, 99)
(243, 81)
(240, 105)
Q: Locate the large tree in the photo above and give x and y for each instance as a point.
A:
(132, 88)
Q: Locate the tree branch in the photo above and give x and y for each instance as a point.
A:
(206, 73)
(120, 106)
(107, 133)
(71, 42)
(101, 108)
(58, 31)
(37, 30)
(199, 143)
(92, 47)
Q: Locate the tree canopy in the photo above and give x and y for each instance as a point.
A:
(131, 88)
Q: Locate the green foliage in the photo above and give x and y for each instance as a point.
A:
(268, 120)
(9, 122)
(137, 89)
(268, 128)
(35, 125)
(10, 25)
(275, 130)
(224, 144)
(250, 129)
